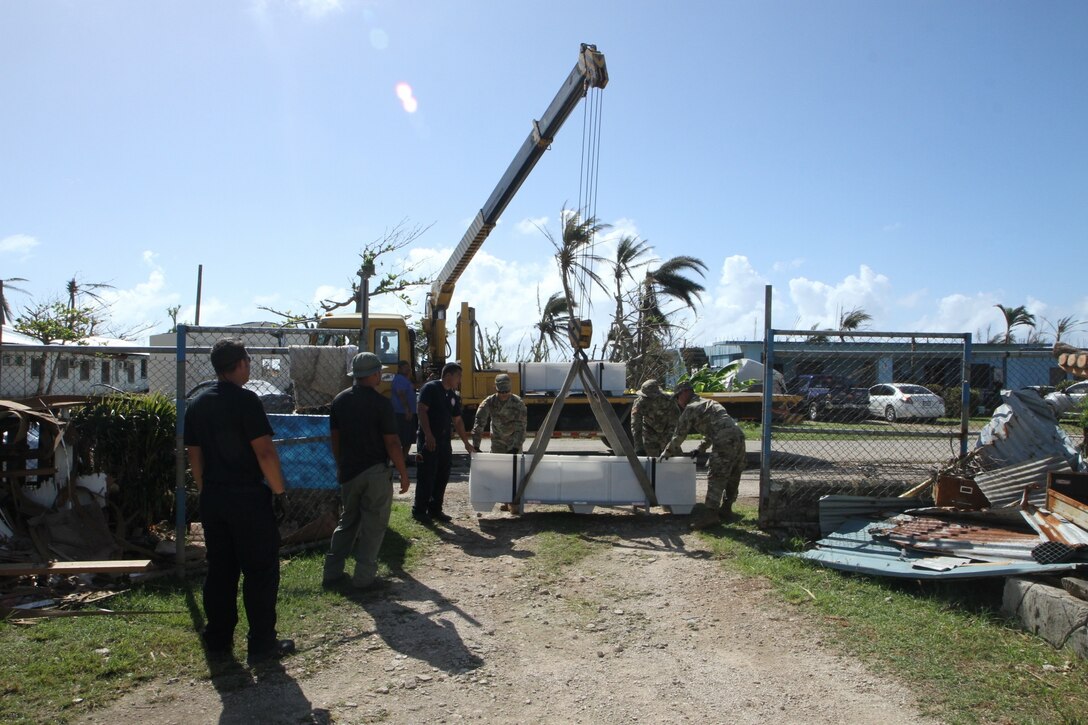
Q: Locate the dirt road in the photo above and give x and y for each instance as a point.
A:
(647, 628)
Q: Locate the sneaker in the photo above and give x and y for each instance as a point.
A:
(441, 516)
(281, 648)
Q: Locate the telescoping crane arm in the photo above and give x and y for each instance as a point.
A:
(589, 72)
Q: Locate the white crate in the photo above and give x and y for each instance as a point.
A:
(582, 482)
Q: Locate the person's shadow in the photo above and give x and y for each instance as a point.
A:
(278, 698)
(424, 633)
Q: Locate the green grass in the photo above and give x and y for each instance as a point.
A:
(947, 640)
(56, 670)
(556, 550)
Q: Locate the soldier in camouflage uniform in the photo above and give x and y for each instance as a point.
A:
(727, 455)
(508, 416)
(653, 420)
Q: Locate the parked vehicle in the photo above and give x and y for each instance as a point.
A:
(273, 400)
(1069, 399)
(898, 401)
(829, 396)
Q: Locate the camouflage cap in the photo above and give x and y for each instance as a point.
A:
(503, 383)
(682, 387)
(650, 387)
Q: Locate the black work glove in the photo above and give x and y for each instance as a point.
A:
(280, 506)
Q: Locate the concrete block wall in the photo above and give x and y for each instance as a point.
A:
(1049, 611)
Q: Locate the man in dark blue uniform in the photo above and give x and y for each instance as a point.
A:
(238, 475)
(364, 438)
(439, 411)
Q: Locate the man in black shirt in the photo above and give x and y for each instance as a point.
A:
(229, 441)
(439, 408)
(364, 439)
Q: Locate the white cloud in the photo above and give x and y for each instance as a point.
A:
(315, 9)
(319, 8)
(532, 225)
(18, 244)
(734, 307)
(821, 304)
(142, 305)
(786, 265)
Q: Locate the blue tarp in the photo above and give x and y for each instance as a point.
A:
(302, 442)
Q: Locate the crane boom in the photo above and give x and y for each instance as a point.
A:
(589, 72)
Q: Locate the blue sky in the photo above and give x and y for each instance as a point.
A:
(923, 160)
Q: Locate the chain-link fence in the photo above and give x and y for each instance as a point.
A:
(296, 382)
(43, 470)
(872, 414)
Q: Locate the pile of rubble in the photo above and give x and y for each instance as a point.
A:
(1016, 504)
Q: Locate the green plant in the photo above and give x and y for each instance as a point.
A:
(705, 380)
(130, 438)
(952, 406)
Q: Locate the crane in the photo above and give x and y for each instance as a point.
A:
(589, 72)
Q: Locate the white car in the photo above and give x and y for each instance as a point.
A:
(1069, 399)
(895, 401)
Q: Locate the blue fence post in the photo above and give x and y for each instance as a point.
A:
(965, 394)
(179, 455)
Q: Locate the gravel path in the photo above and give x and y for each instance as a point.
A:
(647, 628)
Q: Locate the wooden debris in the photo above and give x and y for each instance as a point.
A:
(117, 566)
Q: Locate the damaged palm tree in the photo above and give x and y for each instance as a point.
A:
(575, 256)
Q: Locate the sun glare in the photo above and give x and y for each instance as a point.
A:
(407, 99)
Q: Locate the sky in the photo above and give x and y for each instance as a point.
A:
(923, 161)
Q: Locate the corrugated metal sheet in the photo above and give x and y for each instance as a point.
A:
(1056, 528)
(838, 508)
(1022, 429)
(852, 548)
(960, 538)
(1005, 486)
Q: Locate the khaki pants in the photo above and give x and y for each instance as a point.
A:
(366, 501)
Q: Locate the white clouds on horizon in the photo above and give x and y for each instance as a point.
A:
(508, 293)
(18, 244)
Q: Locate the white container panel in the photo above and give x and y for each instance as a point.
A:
(491, 479)
(579, 480)
(584, 479)
(675, 484)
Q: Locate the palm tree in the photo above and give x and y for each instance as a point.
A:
(5, 304)
(550, 330)
(576, 258)
(1015, 317)
(629, 255)
(1063, 326)
(853, 320)
(668, 281)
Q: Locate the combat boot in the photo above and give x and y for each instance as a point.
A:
(705, 519)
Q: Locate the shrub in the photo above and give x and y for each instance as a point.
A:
(130, 438)
(951, 396)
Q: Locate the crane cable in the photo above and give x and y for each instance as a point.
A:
(587, 193)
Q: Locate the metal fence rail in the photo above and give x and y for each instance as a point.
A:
(853, 431)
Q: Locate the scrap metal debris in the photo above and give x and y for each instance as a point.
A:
(1017, 504)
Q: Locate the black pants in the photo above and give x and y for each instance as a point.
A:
(432, 477)
(242, 540)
